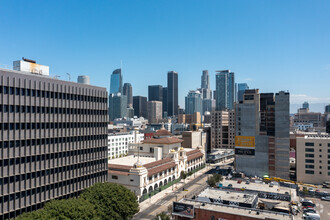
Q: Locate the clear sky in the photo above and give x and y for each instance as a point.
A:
(271, 45)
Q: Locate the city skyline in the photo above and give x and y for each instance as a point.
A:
(262, 43)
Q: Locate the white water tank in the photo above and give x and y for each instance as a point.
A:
(83, 80)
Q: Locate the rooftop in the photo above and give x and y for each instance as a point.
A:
(164, 140)
(241, 197)
(257, 214)
(131, 160)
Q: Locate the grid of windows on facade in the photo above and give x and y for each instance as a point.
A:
(53, 140)
(118, 144)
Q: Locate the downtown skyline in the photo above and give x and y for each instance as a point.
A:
(266, 49)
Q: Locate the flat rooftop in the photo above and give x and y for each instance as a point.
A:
(242, 197)
(261, 187)
(247, 212)
(131, 160)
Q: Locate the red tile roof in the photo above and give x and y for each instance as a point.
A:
(194, 156)
(118, 167)
(114, 172)
(163, 132)
(192, 152)
(161, 168)
(157, 163)
(165, 140)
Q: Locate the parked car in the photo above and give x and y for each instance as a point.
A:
(311, 216)
(326, 198)
(230, 185)
(247, 182)
(271, 184)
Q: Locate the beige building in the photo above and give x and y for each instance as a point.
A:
(189, 119)
(223, 129)
(194, 139)
(313, 158)
(155, 111)
(143, 175)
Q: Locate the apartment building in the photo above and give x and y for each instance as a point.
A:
(53, 140)
(313, 158)
(223, 129)
(118, 142)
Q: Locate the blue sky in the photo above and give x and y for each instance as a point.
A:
(271, 45)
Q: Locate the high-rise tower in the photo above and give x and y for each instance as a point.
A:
(172, 93)
(225, 90)
(127, 91)
(205, 84)
(116, 82)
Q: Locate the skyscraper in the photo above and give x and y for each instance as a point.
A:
(154, 111)
(53, 140)
(164, 102)
(225, 90)
(128, 92)
(205, 81)
(117, 106)
(305, 105)
(155, 93)
(194, 102)
(241, 87)
(140, 106)
(116, 82)
(208, 105)
(172, 93)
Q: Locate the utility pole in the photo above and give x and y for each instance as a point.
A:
(69, 76)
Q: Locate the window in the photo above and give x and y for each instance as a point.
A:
(309, 155)
(309, 161)
(114, 177)
(309, 166)
(309, 149)
(309, 144)
(131, 180)
(309, 171)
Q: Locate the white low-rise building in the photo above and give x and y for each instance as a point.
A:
(143, 175)
(118, 142)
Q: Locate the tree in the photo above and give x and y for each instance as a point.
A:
(217, 177)
(162, 216)
(211, 181)
(64, 209)
(183, 175)
(112, 201)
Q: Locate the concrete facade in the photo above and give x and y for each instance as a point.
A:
(154, 111)
(223, 129)
(313, 159)
(53, 140)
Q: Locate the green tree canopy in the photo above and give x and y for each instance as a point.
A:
(112, 201)
(64, 209)
(162, 216)
(100, 201)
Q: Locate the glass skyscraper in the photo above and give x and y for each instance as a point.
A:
(225, 90)
(241, 87)
(116, 82)
(194, 102)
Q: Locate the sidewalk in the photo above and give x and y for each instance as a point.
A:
(145, 204)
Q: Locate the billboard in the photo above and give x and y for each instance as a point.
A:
(21, 65)
(245, 145)
(245, 141)
(182, 209)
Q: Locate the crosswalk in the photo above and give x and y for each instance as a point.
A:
(161, 202)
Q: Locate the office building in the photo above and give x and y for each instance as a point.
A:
(205, 80)
(164, 102)
(117, 106)
(194, 102)
(241, 87)
(305, 105)
(223, 129)
(190, 118)
(127, 91)
(116, 82)
(172, 93)
(155, 93)
(208, 105)
(154, 111)
(225, 90)
(262, 134)
(140, 106)
(53, 140)
(312, 158)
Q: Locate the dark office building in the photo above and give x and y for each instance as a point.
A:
(267, 114)
(155, 93)
(140, 106)
(53, 140)
(172, 93)
(164, 102)
(127, 91)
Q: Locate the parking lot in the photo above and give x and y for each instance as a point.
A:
(322, 207)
